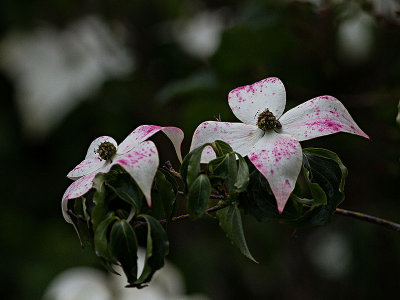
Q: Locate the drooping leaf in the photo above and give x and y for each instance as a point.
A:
(101, 240)
(221, 148)
(171, 179)
(230, 221)
(324, 153)
(198, 196)
(258, 201)
(329, 173)
(225, 167)
(123, 245)
(194, 165)
(156, 249)
(99, 199)
(242, 178)
(126, 188)
(164, 196)
(107, 265)
(84, 232)
(318, 194)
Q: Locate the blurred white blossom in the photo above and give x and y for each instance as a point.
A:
(330, 253)
(92, 284)
(79, 283)
(387, 8)
(356, 37)
(54, 70)
(200, 36)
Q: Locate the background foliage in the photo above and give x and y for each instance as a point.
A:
(298, 42)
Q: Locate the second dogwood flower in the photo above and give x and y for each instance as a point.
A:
(270, 139)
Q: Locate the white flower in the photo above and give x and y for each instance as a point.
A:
(270, 139)
(136, 155)
(54, 70)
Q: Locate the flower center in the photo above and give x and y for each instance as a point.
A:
(106, 150)
(267, 121)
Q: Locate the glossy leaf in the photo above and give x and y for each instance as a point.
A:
(171, 179)
(99, 199)
(242, 178)
(324, 153)
(163, 196)
(230, 221)
(126, 188)
(221, 148)
(318, 194)
(198, 196)
(259, 201)
(84, 233)
(194, 166)
(101, 237)
(123, 245)
(330, 174)
(156, 249)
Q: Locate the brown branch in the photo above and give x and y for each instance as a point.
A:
(339, 211)
(371, 219)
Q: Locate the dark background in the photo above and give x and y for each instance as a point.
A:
(298, 42)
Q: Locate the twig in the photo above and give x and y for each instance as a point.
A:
(187, 216)
(212, 196)
(209, 210)
(371, 219)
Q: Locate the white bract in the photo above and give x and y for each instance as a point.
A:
(136, 155)
(270, 139)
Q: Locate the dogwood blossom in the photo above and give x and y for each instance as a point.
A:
(136, 155)
(270, 139)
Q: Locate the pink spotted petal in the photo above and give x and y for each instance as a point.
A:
(96, 143)
(241, 137)
(141, 163)
(318, 117)
(248, 101)
(278, 157)
(143, 132)
(76, 189)
(89, 165)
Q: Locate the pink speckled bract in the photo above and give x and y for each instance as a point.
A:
(136, 155)
(277, 153)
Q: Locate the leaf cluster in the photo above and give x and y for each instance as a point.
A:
(114, 218)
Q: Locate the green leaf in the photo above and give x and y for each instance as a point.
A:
(156, 250)
(126, 188)
(318, 194)
(171, 179)
(190, 168)
(324, 153)
(327, 172)
(259, 201)
(101, 237)
(99, 199)
(330, 174)
(107, 265)
(84, 232)
(123, 245)
(198, 196)
(221, 148)
(242, 178)
(230, 221)
(164, 197)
